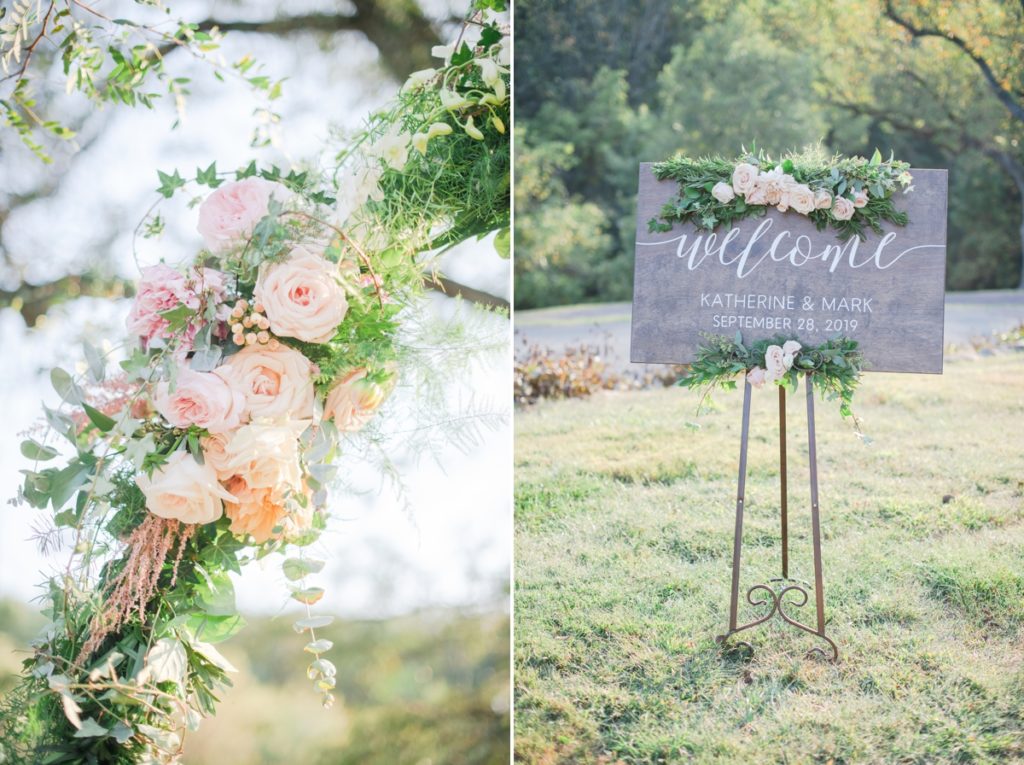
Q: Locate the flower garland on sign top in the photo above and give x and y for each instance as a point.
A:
(848, 194)
(211, 441)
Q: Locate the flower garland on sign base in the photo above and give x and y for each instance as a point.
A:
(211, 439)
(847, 194)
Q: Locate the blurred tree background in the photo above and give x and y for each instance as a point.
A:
(604, 84)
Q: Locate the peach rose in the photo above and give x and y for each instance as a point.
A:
(275, 382)
(801, 198)
(822, 199)
(723, 192)
(743, 177)
(200, 398)
(228, 216)
(302, 296)
(354, 400)
(774, 363)
(265, 454)
(756, 377)
(860, 198)
(842, 208)
(184, 490)
(265, 513)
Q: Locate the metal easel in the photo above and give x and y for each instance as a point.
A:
(775, 591)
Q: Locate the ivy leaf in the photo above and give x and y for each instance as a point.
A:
(247, 172)
(208, 177)
(169, 183)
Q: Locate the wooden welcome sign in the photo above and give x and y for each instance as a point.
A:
(779, 275)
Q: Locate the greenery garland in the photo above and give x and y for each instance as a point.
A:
(127, 664)
(850, 194)
(835, 365)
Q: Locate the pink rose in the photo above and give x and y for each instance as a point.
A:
(822, 199)
(774, 363)
(744, 175)
(200, 398)
(842, 208)
(162, 288)
(756, 377)
(276, 382)
(302, 296)
(860, 198)
(801, 198)
(229, 215)
(354, 400)
(184, 490)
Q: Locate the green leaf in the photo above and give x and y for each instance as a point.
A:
(503, 243)
(296, 568)
(65, 386)
(90, 729)
(34, 450)
(100, 420)
(216, 595)
(876, 158)
(97, 366)
(66, 482)
(208, 177)
(318, 647)
(309, 595)
(312, 623)
(169, 183)
(787, 166)
(214, 629)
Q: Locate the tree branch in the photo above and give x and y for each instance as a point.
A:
(1003, 94)
(400, 31)
(455, 289)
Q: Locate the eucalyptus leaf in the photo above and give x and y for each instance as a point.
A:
(90, 729)
(65, 386)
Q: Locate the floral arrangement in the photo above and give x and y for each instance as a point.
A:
(850, 194)
(211, 438)
(835, 364)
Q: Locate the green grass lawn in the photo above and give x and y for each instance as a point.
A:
(625, 515)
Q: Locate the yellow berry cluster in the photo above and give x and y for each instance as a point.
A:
(251, 326)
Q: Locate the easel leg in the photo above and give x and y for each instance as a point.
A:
(737, 544)
(819, 584)
(783, 491)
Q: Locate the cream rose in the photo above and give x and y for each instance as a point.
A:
(184, 490)
(353, 401)
(842, 208)
(860, 198)
(756, 377)
(758, 194)
(822, 199)
(790, 349)
(744, 176)
(801, 198)
(774, 362)
(200, 398)
(265, 454)
(275, 382)
(228, 216)
(302, 296)
(215, 454)
(723, 192)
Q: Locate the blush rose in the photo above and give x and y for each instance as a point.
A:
(229, 215)
(302, 296)
(275, 382)
(354, 400)
(200, 398)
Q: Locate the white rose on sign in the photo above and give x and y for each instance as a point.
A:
(743, 177)
(723, 193)
(774, 362)
(842, 209)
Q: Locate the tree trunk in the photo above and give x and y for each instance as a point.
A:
(1015, 170)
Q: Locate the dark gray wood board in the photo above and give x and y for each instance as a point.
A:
(779, 275)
